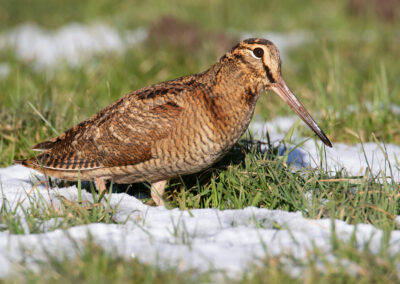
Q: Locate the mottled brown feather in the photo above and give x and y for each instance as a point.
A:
(112, 137)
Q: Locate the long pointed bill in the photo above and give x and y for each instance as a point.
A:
(286, 94)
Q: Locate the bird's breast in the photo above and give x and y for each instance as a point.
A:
(207, 130)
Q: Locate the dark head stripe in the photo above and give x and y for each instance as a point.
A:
(269, 74)
(258, 41)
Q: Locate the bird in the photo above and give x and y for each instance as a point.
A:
(173, 128)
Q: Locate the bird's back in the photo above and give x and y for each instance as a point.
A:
(172, 128)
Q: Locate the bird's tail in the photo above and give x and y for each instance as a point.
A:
(29, 163)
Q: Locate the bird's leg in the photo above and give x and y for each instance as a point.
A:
(157, 190)
(100, 184)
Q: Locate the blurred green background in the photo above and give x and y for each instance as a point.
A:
(212, 14)
(346, 73)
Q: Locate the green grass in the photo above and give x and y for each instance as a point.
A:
(350, 266)
(347, 76)
(34, 214)
(91, 264)
(212, 14)
(266, 181)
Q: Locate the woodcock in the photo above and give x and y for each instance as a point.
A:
(172, 128)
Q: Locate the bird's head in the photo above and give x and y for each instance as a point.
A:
(262, 62)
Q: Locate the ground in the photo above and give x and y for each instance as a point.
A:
(280, 205)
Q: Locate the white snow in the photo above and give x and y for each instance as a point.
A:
(378, 159)
(203, 239)
(72, 43)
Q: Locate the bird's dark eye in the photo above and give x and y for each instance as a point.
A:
(258, 52)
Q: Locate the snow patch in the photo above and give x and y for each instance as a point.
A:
(202, 239)
(380, 160)
(72, 43)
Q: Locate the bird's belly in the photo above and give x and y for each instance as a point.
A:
(198, 148)
(194, 146)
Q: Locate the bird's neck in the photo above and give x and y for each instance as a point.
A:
(232, 82)
(230, 98)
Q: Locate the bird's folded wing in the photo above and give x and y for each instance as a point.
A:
(119, 135)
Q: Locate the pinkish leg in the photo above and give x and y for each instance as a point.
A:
(157, 190)
(100, 184)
